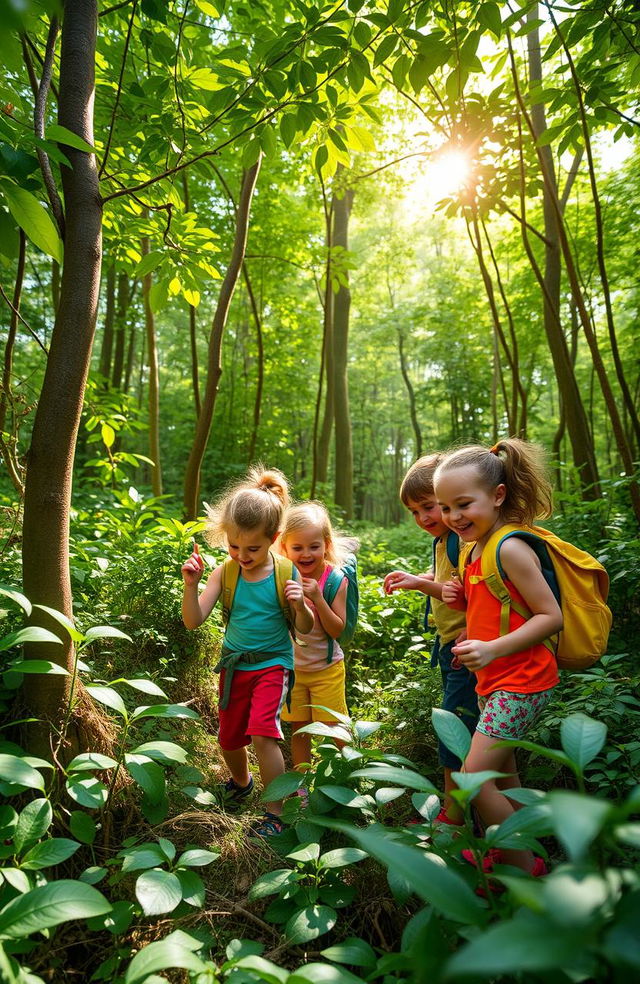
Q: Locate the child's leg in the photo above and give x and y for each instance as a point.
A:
(238, 764)
(271, 764)
(297, 717)
(300, 746)
(459, 697)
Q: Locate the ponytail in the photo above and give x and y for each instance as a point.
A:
(516, 464)
(256, 502)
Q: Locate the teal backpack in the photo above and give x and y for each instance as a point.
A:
(349, 570)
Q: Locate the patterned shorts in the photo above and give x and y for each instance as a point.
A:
(507, 715)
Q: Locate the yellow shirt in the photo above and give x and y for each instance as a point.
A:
(449, 622)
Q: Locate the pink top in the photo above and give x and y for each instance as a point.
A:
(312, 656)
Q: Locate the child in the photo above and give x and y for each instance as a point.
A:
(309, 540)
(257, 652)
(480, 490)
(417, 494)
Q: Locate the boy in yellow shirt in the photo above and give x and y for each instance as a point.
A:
(458, 684)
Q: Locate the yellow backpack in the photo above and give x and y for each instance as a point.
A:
(580, 585)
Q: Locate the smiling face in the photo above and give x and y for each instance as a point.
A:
(306, 548)
(427, 514)
(468, 507)
(249, 547)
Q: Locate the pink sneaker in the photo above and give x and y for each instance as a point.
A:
(493, 856)
(539, 869)
(440, 819)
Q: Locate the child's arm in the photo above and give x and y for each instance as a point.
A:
(403, 581)
(334, 616)
(300, 612)
(525, 574)
(453, 595)
(196, 608)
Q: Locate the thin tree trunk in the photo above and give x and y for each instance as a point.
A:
(257, 403)
(342, 417)
(404, 369)
(195, 381)
(214, 364)
(106, 348)
(45, 549)
(153, 394)
(323, 441)
(8, 441)
(120, 329)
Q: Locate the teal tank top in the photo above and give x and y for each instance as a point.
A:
(256, 624)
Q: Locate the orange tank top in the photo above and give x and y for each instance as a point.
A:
(526, 672)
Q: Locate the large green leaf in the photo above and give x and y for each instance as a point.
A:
(49, 852)
(347, 797)
(83, 826)
(161, 751)
(271, 882)
(32, 633)
(451, 731)
(89, 792)
(62, 620)
(192, 886)
(353, 951)
(105, 632)
(263, 969)
(402, 777)
(342, 856)
(87, 761)
(158, 891)
(140, 858)
(15, 770)
(197, 858)
(577, 820)
(319, 973)
(165, 711)
(150, 778)
(34, 219)
(60, 134)
(49, 906)
(174, 951)
(33, 823)
(283, 785)
(309, 923)
(16, 596)
(111, 698)
(44, 666)
(582, 738)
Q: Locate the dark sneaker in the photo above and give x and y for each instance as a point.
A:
(232, 793)
(263, 830)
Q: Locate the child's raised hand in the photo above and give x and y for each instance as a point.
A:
(473, 653)
(193, 567)
(399, 581)
(311, 588)
(294, 594)
(453, 595)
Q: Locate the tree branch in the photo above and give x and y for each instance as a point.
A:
(39, 113)
(118, 91)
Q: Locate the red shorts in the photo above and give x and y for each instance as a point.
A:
(255, 704)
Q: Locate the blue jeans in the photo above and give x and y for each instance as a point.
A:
(459, 696)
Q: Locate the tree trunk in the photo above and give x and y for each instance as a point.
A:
(342, 417)
(577, 425)
(153, 395)
(120, 329)
(8, 438)
(404, 369)
(195, 382)
(321, 445)
(45, 549)
(106, 348)
(214, 365)
(257, 403)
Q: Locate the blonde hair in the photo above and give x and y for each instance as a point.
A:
(303, 514)
(256, 502)
(519, 466)
(418, 481)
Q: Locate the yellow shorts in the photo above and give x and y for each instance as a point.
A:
(324, 687)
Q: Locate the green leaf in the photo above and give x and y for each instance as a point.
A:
(149, 776)
(347, 797)
(387, 795)
(263, 969)
(158, 891)
(451, 731)
(577, 820)
(60, 134)
(33, 823)
(309, 923)
(197, 858)
(50, 905)
(33, 633)
(526, 943)
(19, 599)
(402, 777)
(16, 770)
(144, 686)
(193, 892)
(288, 128)
(49, 852)
(111, 698)
(89, 792)
(87, 761)
(38, 666)
(62, 619)
(488, 15)
(34, 219)
(170, 952)
(282, 786)
(305, 852)
(143, 857)
(318, 973)
(165, 711)
(353, 951)
(582, 738)
(270, 883)
(149, 262)
(83, 826)
(161, 751)
(342, 856)
(105, 632)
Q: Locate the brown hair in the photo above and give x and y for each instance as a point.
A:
(313, 513)
(256, 502)
(519, 466)
(418, 481)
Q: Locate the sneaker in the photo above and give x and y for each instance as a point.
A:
(442, 818)
(303, 795)
(539, 869)
(493, 856)
(262, 830)
(233, 793)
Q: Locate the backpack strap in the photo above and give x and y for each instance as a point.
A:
(283, 572)
(454, 553)
(229, 581)
(492, 574)
(329, 591)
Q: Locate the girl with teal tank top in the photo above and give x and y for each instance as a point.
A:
(247, 520)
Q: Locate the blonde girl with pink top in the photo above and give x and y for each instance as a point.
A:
(309, 540)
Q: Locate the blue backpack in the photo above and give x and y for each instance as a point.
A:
(349, 570)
